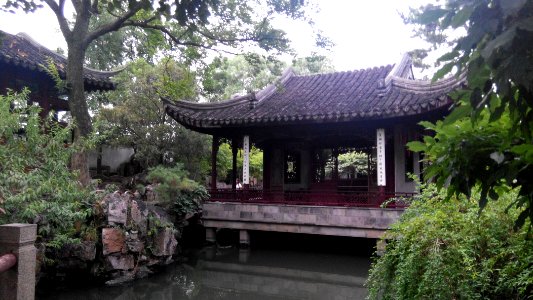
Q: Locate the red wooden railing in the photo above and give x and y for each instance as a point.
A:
(7, 261)
(317, 198)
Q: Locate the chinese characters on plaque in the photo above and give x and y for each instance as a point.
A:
(246, 160)
(380, 149)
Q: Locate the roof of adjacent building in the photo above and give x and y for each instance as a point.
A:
(22, 51)
(376, 93)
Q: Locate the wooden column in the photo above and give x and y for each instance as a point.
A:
(214, 152)
(335, 153)
(381, 167)
(266, 167)
(234, 150)
(246, 161)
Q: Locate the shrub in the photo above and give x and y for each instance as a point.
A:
(177, 192)
(36, 185)
(447, 250)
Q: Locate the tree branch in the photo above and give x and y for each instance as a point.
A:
(164, 30)
(94, 7)
(58, 11)
(112, 26)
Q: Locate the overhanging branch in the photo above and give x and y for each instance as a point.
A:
(115, 25)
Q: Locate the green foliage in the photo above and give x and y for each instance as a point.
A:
(52, 71)
(118, 47)
(446, 250)
(224, 162)
(136, 117)
(179, 193)
(227, 77)
(353, 162)
(495, 54)
(36, 185)
(313, 64)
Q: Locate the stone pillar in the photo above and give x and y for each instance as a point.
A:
(211, 235)
(244, 255)
(380, 247)
(244, 238)
(246, 161)
(19, 281)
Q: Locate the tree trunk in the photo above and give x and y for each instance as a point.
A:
(78, 105)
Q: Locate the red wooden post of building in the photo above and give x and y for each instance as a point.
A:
(234, 150)
(214, 152)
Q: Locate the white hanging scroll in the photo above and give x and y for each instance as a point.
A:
(380, 149)
(246, 160)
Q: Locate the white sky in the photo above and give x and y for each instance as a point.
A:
(367, 33)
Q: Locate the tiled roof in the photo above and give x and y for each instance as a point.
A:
(21, 50)
(377, 93)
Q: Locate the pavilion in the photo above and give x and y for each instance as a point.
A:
(303, 124)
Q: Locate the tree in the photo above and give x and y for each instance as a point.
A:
(495, 151)
(136, 117)
(226, 77)
(186, 24)
(313, 64)
(353, 162)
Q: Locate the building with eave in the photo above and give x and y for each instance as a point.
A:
(25, 63)
(304, 124)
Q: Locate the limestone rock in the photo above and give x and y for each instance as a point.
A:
(164, 242)
(133, 243)
(129, 276)
(120, 262)
(86, 250)
(138, 214)
(160, 214)
(112, 240)
(117, 208)
(143, 272)
(151, 194)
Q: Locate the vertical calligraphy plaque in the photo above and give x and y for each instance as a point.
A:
(380, 149)
(246, 160)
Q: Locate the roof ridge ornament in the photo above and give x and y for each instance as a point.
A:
(253, 100)
(400, 70)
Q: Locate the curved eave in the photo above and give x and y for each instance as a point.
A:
(335, 117)
(91, 84)
(93, 79)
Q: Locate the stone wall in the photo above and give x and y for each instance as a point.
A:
(325, 220)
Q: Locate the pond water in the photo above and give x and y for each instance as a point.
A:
(281, 272)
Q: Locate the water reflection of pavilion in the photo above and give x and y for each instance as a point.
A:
(244, 281)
